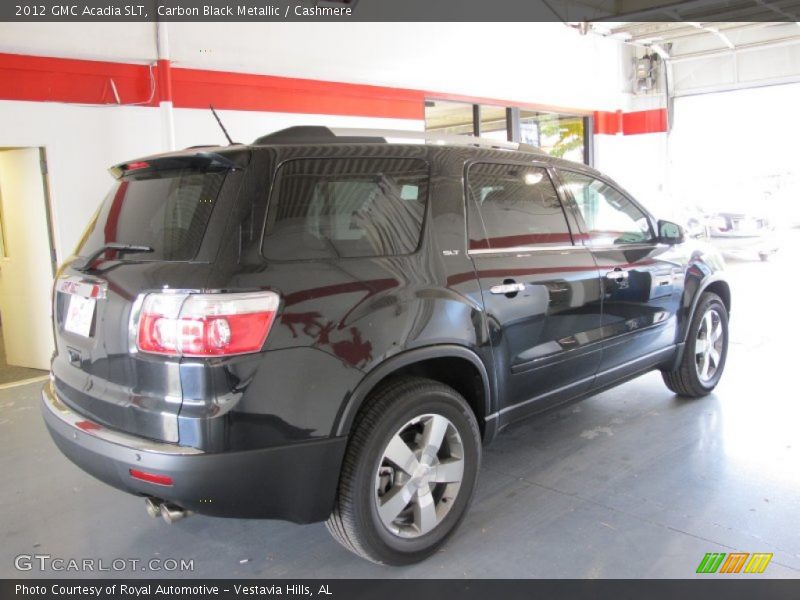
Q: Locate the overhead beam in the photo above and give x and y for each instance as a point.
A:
(687, 31)
(786, 41)
(695, 10)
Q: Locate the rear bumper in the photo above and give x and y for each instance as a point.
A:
(296, 482)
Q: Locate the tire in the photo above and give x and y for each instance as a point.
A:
(397, 421)
(691, 377)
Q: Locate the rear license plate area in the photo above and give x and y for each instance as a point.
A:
(77, 304)
(80, 315)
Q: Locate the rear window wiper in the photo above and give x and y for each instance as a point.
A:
(83, 264)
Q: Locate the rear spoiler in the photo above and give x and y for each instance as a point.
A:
(205, 161)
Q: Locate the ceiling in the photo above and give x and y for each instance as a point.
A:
(676, 10)
(688, 28)
(694, 39)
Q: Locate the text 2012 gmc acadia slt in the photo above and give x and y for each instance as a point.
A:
(329, 327)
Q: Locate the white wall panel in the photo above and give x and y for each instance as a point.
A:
(123, 42)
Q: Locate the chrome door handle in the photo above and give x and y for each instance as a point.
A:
(507, 288)
(617, 275)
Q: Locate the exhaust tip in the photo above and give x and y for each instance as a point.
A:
(153, 507)
(171, 512)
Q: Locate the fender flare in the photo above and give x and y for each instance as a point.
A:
(704, 284)
(356, 399)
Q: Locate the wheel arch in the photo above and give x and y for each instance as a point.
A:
(716, 285)
(719, 287)
(457, 366)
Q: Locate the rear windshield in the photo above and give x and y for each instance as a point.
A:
(348, 207)
(165, 210)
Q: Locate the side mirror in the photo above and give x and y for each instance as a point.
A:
(670, 233)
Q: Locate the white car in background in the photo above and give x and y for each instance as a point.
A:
(737, 228)
(742, 235)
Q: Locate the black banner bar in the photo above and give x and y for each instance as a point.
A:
(65, 11)
(401, 589)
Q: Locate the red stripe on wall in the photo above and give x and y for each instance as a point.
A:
(47, 79)
(609, 123)
(632, 123)
(195, 88)
(645, 121)
(164, 80)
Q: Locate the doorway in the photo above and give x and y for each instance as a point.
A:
(27, 265)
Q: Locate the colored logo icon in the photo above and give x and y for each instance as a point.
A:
(735, 562)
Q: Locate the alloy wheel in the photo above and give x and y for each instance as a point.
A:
(709, 345)
(419, 476)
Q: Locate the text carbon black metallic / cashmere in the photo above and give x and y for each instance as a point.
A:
(320, 327)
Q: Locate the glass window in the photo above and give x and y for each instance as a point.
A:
(557, 134)
(514, 206)
(348, 207)
(610, 217)
(493, 122)
(451, 118)
(166, 210)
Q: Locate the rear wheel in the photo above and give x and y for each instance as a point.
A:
(408, 473)
(706, 349)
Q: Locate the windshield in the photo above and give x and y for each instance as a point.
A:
(165, 210)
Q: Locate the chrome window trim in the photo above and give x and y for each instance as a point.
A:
(517, 249)
(589, 247)
(635, 246)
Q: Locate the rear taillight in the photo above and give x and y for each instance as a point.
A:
(198, 325)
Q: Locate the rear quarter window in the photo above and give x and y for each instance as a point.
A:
(346, 208)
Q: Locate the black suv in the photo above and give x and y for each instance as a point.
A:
(329, 327)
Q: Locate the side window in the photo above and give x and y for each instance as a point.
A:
(345, 208)
(513, 205)
(610, 217)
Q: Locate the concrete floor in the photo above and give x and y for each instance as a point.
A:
(631, 483)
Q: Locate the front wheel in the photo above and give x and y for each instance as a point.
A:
(706, 349)
(408, 473)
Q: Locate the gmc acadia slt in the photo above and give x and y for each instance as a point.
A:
(324, 326)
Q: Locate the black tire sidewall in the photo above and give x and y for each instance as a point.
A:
(437, 400)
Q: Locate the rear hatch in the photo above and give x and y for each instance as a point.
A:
(159, 228)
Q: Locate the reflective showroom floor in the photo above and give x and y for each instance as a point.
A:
(632, 483)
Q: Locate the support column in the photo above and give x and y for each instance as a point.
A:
(476, 120)
(165, 87)
(513, 125)
(588, 141)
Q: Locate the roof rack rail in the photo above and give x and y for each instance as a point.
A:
(432, 137)
(314, 134)
(347, 135)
